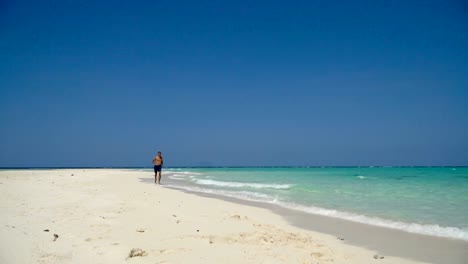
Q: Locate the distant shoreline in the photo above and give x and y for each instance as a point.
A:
(234, 167)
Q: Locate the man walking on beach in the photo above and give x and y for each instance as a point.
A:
(158, 163)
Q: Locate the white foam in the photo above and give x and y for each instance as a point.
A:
(242, 184)
(180, 175)
(183, 175)
(246, 195)
(363, 177)
(189, 173)
(177, 177)
(182, 172)
(433, 230)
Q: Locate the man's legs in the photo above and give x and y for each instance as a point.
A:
(158, 177)
(155, 175)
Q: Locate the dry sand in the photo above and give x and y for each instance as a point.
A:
(116, 216)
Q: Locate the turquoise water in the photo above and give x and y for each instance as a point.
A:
(431, 201)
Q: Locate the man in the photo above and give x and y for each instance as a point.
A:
(158, 163)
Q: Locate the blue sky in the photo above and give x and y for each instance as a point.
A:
(233, 83)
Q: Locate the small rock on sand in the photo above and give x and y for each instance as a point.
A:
(55, 237)
(46, 230)
(378, 257)
(141, 230)
(137, 252)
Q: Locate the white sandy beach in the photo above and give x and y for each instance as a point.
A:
(100, 215)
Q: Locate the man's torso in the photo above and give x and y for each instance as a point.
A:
(157, 161)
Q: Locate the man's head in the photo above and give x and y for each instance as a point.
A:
(159, 153)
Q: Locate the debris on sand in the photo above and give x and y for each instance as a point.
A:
(55, 237)
(141, 230)
(378, 257)
(46, 230)
(237, 217)
(137, 252)
(340, 238)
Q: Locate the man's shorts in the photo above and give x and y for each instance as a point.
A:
(157, 168)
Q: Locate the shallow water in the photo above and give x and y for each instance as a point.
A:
(429, 200)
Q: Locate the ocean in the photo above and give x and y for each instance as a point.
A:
(425, 200)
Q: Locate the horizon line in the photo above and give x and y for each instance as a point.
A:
(233, 166)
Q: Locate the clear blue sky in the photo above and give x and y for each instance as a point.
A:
(233, 83)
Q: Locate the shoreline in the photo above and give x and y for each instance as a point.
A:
(235, 167)
(385, 240)
(422, 201)
(101, 214)
(446, 232)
